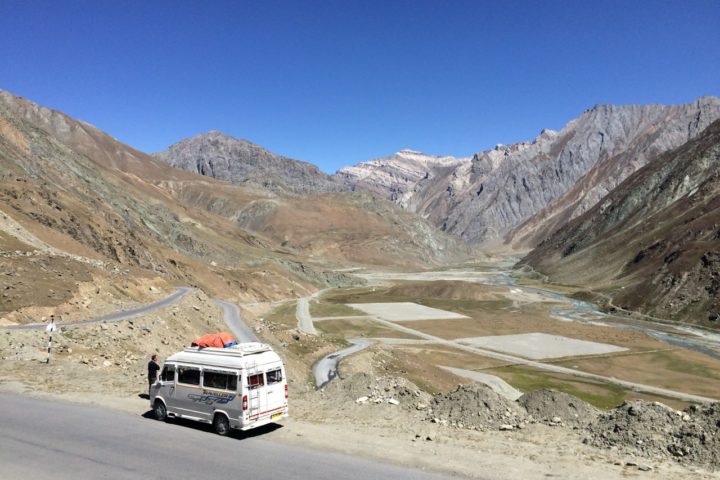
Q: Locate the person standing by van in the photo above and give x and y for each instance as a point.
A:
(153, 368)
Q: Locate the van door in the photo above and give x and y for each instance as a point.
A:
(189, 399)
(256, 394)
(167, 385)
(275, 389)
(220, 389)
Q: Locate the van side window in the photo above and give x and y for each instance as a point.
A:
(255, 381)
(188, 375)
(168, 373)
(221, 380)
(274, 376)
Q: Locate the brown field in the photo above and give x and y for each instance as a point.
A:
(495, 311)
(675, 369)
(358, 328)
(327, 309)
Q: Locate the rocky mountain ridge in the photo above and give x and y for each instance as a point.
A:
(517, 194)
(524, 191)
(395, 177)
(217, 155)
(651, 244)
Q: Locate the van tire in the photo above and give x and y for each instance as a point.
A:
(221, 424)
(160, 411)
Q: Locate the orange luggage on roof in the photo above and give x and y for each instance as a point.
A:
(219, 340)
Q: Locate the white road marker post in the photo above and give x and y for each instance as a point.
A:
(51, 327)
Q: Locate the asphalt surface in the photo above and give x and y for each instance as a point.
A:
(326, 368)
(302, 313)
(113, 317)
(52, 440)
(231, 314)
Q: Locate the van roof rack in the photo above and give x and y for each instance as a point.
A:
(239, 350)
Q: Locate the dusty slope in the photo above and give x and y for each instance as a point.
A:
(655, 237)
(77, 190)
(334, 227)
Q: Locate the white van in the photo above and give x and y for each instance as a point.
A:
(240, 387)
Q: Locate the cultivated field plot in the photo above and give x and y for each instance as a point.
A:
(360, 327)
(539, 346)
(404, 311)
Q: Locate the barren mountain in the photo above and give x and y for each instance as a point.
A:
(221, 156)
(652, 244)
(526, 190)
(396, 177)
(75, 200)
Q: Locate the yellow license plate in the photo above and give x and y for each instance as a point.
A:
(276, 415)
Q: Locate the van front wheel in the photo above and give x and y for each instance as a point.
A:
(221, 424)
(160, 411)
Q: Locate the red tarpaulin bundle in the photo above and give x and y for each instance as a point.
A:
(218, 340)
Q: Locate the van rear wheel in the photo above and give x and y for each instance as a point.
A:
(221, 424)
(160, 411)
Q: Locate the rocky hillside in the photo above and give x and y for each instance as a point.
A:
(223, 157)
(524, 191)
(652, 244)
(90, 206)
(396, 177)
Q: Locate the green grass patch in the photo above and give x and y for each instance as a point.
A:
(674, 362)
(601, 395)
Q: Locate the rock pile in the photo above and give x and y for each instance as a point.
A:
(478, 407)
(367, 389)
(655, 430)
(555, 408)
(639, 428)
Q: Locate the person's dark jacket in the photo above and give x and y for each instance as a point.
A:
(153, 368)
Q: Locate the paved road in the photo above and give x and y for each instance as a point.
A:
(231, 314)
(53, 440)
(302, 313)
(326, 369)
(113, 317)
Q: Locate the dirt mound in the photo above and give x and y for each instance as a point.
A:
(555, 408)
(364, 388)
(476, 406)
(655, 430)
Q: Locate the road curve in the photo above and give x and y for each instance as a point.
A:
(231, 314)
(54, 440)
(113, 317)
(326, 368)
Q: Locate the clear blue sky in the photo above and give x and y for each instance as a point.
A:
(339, 82)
